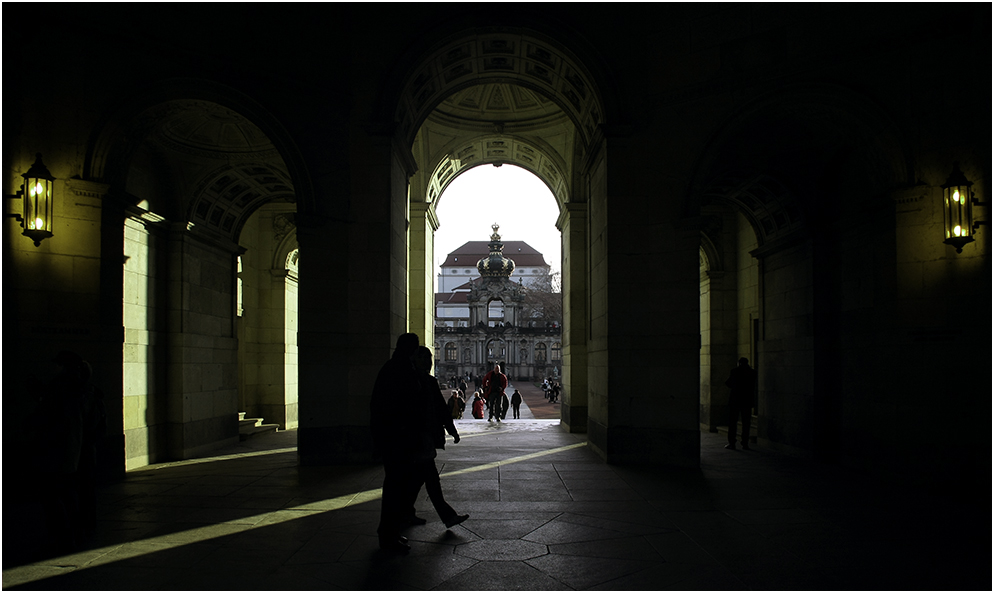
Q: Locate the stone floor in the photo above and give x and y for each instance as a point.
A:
(545, 513)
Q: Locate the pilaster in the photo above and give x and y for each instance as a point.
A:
(421, 286)
(572, 223)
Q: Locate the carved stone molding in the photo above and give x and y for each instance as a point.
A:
(283, 225)
(88, 189)
(912, 195)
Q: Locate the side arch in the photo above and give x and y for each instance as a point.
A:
(127, 125)
(832, 116)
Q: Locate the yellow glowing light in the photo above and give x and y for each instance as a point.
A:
(956, 196)
(957, 230)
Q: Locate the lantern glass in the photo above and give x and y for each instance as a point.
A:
(38, 205)
(37, 193)
(957, 202)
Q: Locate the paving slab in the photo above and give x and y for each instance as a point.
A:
(546, 513)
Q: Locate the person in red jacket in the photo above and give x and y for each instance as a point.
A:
(494, 384)
(478, 406)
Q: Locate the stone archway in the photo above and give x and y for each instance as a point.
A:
(191, 172)
(495, 97)
(752, 182)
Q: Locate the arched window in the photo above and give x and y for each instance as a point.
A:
(557, 351)
(495, 312)
(450, 352)
(540, 352)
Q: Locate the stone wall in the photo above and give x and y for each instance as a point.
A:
(202, 355)
(267, 328)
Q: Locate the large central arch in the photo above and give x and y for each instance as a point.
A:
(503, 96)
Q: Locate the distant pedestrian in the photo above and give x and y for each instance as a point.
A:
(478, 406)
(516, 404)
(456, 405)
(494, 384)
(556, 390)
(742, 382)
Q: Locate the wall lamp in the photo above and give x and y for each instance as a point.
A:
(36, 192)
(958, 201)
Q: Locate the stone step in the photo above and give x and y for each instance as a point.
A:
(251, 427)
(245, 433)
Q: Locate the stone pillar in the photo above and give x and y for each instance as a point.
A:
(572, 224)
(353, 302)
(644, 346)
(424, 223)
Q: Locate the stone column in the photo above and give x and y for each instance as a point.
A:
(353, 300)
(572, 224)
(644, 346)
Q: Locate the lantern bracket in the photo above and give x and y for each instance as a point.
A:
(16, 215)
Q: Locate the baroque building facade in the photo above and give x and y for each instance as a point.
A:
(491, 319)
(761, 180)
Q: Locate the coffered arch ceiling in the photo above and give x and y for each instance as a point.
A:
(497, 150)
(499, 97)
(217, 165)
(768, 205)
(496, 123)
(522, 59)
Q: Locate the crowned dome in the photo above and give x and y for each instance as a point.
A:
(495, 265)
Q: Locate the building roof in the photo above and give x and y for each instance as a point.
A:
(451, 298)
(471, 252)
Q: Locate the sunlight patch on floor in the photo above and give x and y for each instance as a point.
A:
(110, 554)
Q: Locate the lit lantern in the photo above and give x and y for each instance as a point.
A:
(37, 195)
(957, 201)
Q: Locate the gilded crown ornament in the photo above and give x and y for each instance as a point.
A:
(495, 265)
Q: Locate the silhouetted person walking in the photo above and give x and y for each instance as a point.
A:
(742, 382)
(516, 404)
(393, 407)
(435, 420)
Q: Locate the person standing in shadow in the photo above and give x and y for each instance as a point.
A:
(60, 441)
(516, 404)
(742, 382)
(396, 436)
(94, 418)
(435, 421)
